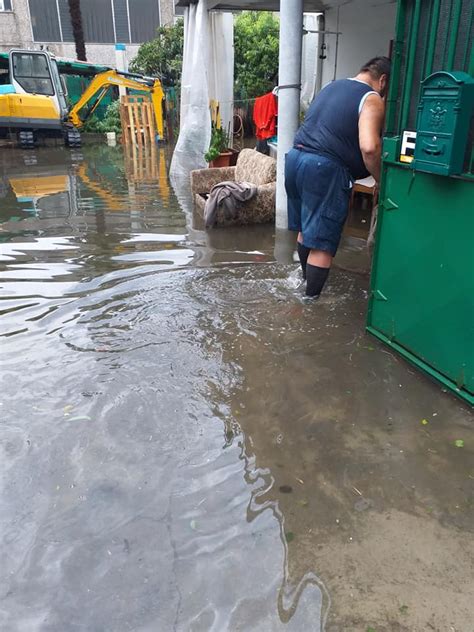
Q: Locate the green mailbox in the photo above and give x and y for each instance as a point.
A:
(444, 117)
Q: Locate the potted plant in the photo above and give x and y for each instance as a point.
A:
(218, 154)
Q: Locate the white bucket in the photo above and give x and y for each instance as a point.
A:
(111, 138)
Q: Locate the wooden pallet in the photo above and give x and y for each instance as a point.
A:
(142, 165)
(138, 120)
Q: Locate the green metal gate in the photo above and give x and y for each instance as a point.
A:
(422, 286)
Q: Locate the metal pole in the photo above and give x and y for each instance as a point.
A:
(471, 62)
(454, 35)
(337, 46)
(121, 64)
(409, 89)
(448, 33)
(322, 31)
(395, 84)
(319, 61)
(291, 41)
(469, 48)
(432, 38)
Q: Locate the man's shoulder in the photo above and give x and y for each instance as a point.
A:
(348, 84)
(334, 83)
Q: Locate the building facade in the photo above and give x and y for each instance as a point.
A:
(47, 24)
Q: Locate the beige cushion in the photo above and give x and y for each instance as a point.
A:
(254, 167)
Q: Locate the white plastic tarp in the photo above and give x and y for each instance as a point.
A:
(221, 65)
(195, 126)
(208, 73)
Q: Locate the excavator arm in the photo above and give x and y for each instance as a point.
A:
(104, 80)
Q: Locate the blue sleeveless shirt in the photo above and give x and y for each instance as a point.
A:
(331, 125)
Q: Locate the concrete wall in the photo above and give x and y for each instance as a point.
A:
(366, 32)
(9, 35)
(15, 27)
(167, 11)
(15, 31)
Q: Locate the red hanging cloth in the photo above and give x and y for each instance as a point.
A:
(264, 116)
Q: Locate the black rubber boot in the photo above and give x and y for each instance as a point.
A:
(316, 277)
(303, 254)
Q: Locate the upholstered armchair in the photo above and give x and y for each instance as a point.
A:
(252, 167)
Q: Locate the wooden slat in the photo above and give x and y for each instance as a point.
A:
(138, 120)
(146, 126)
(151, 123)
(137, 112)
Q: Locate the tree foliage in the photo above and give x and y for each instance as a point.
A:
(162, 56)
(256, 41)
(256, 48)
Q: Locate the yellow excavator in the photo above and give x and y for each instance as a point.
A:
(34, 103)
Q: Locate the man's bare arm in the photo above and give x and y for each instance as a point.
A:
(370, 130)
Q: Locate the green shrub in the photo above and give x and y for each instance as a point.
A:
(110, 122)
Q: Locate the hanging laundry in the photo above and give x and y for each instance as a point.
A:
(265, 112)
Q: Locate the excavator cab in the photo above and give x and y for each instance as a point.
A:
(36, 103)
(36, 72)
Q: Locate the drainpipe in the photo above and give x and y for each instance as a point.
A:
(289, 80)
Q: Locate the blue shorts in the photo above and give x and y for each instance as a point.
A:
(318, 191)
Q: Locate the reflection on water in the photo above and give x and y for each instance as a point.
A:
(188, 446)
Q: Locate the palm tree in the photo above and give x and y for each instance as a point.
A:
(77, 30)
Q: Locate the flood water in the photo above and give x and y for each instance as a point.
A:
(185, 445)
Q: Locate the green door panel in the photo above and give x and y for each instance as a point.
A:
(423, 276)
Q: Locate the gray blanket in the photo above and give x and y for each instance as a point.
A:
(229, 196)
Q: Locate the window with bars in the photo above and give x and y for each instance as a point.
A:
(103, 21)
(5, 5)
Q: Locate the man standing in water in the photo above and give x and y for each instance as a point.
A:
(339, 142)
